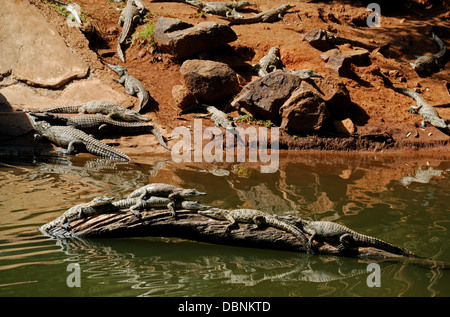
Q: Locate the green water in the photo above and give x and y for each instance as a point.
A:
(361, 191)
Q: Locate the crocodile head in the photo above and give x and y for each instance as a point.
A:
(189, 204)
(100, 200)
(120, 70)
(216, 213)
(307, 73)
(191, 193)
(439, 123)
(131, 115)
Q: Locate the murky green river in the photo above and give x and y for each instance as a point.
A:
(366, 192)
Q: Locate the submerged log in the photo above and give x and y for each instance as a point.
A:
(192, 226)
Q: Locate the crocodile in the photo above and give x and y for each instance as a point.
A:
(257, 217)
(99, 124)
(430, 63)
(348, 238)
(130, 15)
(220, 118)
(137, 204)
(227, 9)
(424, 109)
(265, 16)
(132, 85)
(304, 73)
(74, 139)
(96, 206)
(111, 109)
(72, 8)
(269, 62)
(164, 190)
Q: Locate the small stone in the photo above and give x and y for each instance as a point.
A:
(339, 64)
(344, 127)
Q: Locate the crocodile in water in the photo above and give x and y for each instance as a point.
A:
(348, 238)
(257, 217)
(108, 108)
(431, 63)
(132, 86)
(74, 139)
(130, 15)
(424, 109)
(266, 16)
(99, 124)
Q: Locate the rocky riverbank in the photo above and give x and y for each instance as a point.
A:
(53, 62)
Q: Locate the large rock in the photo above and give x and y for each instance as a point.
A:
(334, 93)
(32, 50)
(209, 81)
(265, 96)
(183, 97)
(181, 39)
(304, 111)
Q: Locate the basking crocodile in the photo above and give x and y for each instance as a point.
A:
(348, 238)
(257, 217)
(72, 8)
(74, 139)
(220, 118)
(137, 204)
(269, 62)
(99, 124)
(227, 9)
(164, 190)
(304, 73)
(96, 206)
(427, 111)
(108, 108)
(430, 63)
(132, 86)
(130, 15)
(266, 16)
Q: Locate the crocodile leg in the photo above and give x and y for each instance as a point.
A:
(72, 146)
(232, 223)
(347, 242)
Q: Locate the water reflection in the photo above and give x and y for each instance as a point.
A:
(364, 192)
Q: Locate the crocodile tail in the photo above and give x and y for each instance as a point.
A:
(410, 93)
(98, 148)
(274, 222)
(368, 241)
(63, 109)
(160, 138)
(120, 52)
(442, 48)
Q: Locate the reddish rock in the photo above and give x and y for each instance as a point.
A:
(181, 39)
(304, 111)
(209, 81)
(340, 64)
(265, 96)
(334, 93)
(318, 38)
(183, 97)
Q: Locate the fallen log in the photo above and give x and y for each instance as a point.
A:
(192, 226)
